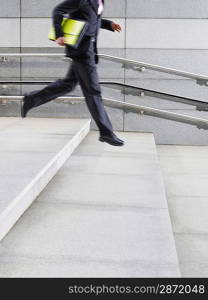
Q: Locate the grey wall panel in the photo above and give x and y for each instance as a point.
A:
(9, 50)
(43, 50)
(167, 33)
(35, 32)
(11, 90)
(109, 39)
(10, 32)
(168, 132)
(10, 8)
(194, 61)
(183, 88)
(117, 117)
(57, 67)
(115, 8)
(10, 109)
(44, 67)
(167, 8)
(109, 70)
(111, 93)
(38, 8)
(47, 110)
(10, 68)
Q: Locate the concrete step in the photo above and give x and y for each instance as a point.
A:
(104, 214)
(185, 175)
(31, 153)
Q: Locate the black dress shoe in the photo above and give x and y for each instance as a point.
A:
(24, 107)
(111, 139)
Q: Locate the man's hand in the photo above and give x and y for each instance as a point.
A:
(61, 41)
(115, 27)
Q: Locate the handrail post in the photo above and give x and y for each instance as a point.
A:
(3, 59)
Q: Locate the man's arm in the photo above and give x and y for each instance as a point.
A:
(110, 25)
(106, 24)
(68, 6)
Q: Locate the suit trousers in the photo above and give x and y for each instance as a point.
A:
(84, 72)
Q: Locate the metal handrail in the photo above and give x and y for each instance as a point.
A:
(24, 82)
(129, 90)
(30, 54)
(140, 109)
(141, 92)
(126, 63)
(4, 56)
(142, 66)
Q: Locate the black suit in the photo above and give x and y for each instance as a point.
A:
(83, 68)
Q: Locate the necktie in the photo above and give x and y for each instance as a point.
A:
(100, 6)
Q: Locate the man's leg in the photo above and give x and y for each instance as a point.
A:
(86, 72)
(87, 76)
(52, 91)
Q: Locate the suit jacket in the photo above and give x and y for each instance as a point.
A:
(86, 10)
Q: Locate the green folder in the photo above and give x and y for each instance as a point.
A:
(73, 31)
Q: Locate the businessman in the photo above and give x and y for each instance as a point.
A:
(83, 69)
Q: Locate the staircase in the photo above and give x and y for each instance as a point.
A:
(100, 211)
